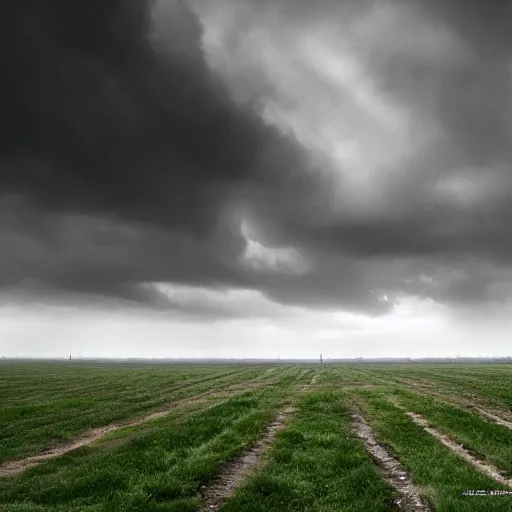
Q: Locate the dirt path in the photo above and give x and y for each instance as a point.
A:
(234, 472)
(481, 466)
(15, 467)
(493, 417)
(466, 403)
(307, 386)
(390, 469)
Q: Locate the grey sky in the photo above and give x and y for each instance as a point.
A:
(232, 162)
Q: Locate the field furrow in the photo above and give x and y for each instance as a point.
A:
(460, 451)
(161, 437)
(316, 464)
(390, 469)
(235, 471)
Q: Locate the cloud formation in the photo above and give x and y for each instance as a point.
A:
(336, 158)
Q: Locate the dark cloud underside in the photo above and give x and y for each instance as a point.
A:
(126, 160)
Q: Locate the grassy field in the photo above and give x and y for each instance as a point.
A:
(97, 436)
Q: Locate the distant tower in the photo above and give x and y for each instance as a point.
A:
(70, 357)
(321, 359)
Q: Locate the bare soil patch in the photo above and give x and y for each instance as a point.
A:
(390, 469)
(458, 449)
(234, 472)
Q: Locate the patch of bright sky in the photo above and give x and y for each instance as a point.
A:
(415, 329)
(261, 258)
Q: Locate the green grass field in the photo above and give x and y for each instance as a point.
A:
(212, 418)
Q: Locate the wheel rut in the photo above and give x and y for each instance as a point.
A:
(234, 472)
(390, 469)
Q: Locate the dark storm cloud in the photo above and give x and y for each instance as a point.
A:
(109, 114)
(452, 199)
(98, 121)
(469, 95)
(126, 160)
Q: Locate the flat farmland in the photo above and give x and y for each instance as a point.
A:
(111, 436)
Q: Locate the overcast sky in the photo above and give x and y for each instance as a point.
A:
(254, 178)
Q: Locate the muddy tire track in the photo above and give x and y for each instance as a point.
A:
(15, 467)
(390, 469)
(459, 450)
(234, 472)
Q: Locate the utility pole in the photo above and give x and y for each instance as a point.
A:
(321, 359)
